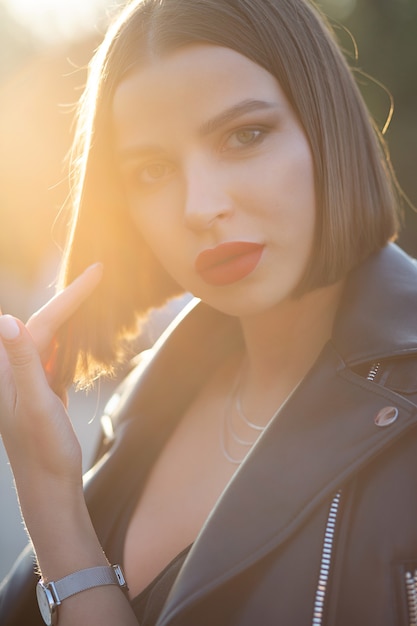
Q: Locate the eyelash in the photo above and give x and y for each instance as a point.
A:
(259, 132)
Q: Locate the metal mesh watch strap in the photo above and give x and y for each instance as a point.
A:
(86, 579)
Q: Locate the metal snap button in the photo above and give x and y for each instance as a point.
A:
(386, 416)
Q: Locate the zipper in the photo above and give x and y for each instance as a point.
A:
(327, 552)
(373, 371)
(411, 588)
(326, 558)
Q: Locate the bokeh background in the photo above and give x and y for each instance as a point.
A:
(45, 47)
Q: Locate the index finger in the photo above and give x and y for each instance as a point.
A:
(44, 324)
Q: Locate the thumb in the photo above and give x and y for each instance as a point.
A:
(22, 355)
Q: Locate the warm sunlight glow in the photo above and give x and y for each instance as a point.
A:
(54, 19)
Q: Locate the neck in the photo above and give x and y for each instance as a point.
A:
(283, 343)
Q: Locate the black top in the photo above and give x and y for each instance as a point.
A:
(147, 606)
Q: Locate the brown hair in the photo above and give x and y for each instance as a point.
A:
(356, 203)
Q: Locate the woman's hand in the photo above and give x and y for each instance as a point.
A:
(46, 458)
(34, 424)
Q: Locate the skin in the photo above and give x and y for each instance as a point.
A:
(194, 178)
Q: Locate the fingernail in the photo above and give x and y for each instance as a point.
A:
(9, 328)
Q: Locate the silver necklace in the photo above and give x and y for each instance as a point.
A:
(228, 433)
(242, 415)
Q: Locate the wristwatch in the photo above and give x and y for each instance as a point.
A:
(51, 594)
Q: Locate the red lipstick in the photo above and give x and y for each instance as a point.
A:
(228, 262)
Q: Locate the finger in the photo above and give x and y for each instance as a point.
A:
(46, 321)
(26, 369)
(6, 379)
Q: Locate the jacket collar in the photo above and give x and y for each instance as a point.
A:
(377, 317)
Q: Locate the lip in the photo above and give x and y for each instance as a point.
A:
(228, 262)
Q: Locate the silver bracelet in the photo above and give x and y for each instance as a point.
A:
(51, 594)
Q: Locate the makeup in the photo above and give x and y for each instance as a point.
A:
(228, 263)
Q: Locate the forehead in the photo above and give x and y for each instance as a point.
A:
(189, 86)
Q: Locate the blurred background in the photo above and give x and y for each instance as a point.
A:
(44, 49)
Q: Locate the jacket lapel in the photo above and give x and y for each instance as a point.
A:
(299, 462)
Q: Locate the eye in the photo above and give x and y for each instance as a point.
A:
(152, 173)
(243, 137)
(146, 176)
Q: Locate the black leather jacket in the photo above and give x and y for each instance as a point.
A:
(319, 525)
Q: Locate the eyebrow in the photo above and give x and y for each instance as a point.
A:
(232, 113)
(208, 127)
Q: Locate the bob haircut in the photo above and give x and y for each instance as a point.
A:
(354, 183)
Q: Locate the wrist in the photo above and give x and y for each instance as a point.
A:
(61, 531)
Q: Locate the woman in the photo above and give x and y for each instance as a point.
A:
(262, 467)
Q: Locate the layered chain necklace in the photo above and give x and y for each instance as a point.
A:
(229, 436)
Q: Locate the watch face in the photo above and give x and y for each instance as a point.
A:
(46, 604)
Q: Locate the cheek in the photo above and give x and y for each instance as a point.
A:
(284, 186)
(152, 233)
(159, 233)
(298, 174)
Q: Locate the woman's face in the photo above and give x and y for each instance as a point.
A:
(219, 176)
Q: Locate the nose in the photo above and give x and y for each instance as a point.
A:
(207, 196)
